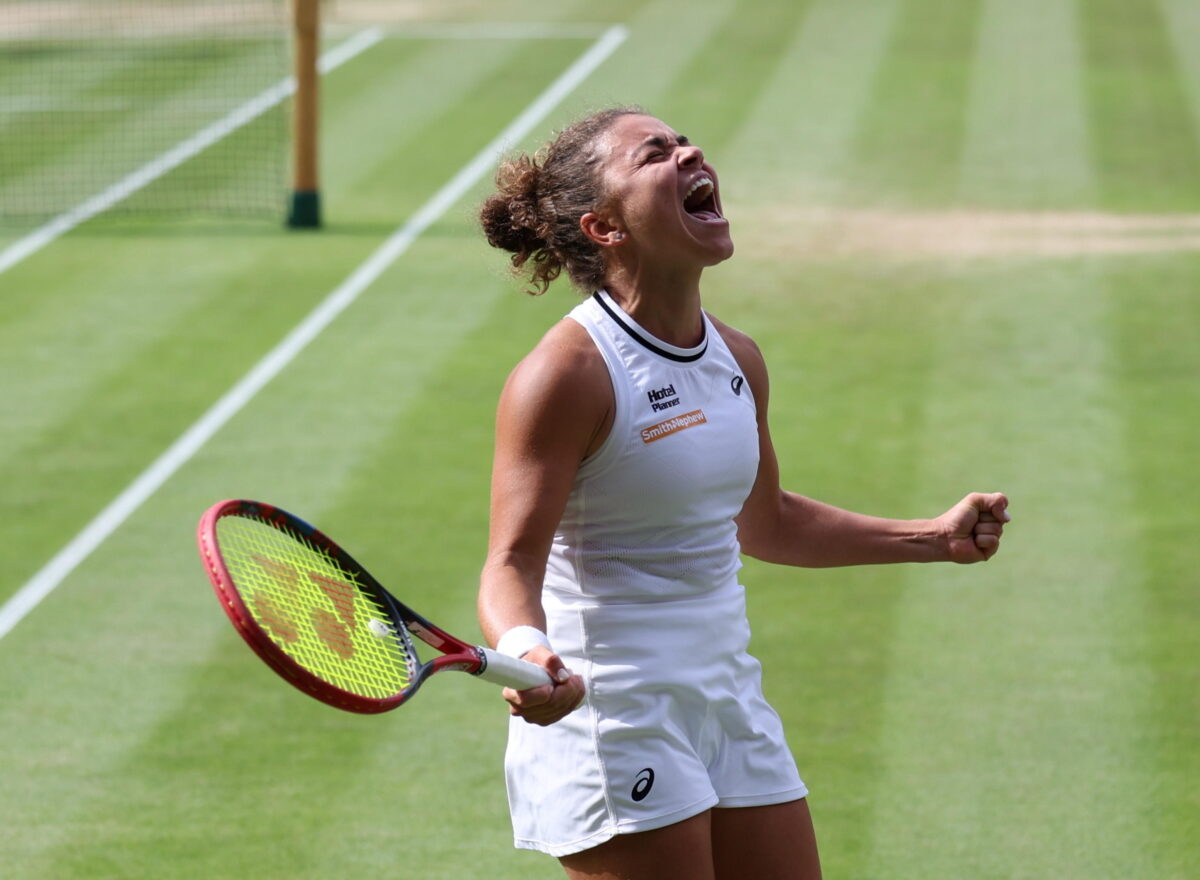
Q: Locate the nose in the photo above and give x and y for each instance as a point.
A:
(690, 155)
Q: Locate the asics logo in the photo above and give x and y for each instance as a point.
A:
(642, 785)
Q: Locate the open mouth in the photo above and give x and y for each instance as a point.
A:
(700, 201)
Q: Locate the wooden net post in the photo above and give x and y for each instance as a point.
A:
(305, 208)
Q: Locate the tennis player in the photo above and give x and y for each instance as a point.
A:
(633, 466)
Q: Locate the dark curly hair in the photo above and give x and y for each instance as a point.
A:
(534, 213)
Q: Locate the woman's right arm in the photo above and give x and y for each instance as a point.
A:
(554, 411)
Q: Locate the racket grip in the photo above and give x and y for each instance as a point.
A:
(509, 672)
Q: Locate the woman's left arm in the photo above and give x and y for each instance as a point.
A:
(783, 527)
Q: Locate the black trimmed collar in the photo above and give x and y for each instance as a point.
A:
(642, 337)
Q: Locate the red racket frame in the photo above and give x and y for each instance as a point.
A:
(456, 654)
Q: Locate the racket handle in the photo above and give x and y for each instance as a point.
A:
(509, 672)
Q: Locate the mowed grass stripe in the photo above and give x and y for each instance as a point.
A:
(94, 406)
(1182, 22)
(1026, 125)
(806, 119)
(1155, 323)
(386, 190)
(1145, 134)
(1011, 708)
(911, 138)
(395, 104)
(195, 314)
(662, 43)
(758, 31)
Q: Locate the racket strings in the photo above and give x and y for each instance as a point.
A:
(316, 611)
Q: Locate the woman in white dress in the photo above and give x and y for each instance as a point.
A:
(633, 466)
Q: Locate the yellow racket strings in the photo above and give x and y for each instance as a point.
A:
(313, 609)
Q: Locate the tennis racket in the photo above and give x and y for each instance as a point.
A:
(322, 622)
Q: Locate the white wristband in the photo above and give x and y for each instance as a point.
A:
(521, 639)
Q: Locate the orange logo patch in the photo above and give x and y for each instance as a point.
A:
(673, 425)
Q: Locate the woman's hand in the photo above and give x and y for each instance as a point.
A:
(547, 704)
(972, 528)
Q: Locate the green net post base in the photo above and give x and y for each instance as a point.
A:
(305, 210)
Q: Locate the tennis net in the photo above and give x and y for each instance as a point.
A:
(91, 91)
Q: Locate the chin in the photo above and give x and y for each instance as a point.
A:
(722, 251)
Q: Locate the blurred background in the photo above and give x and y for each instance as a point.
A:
(968, 244)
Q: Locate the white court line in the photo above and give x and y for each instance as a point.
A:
(191, 441)
(517, 30)
(180, 153)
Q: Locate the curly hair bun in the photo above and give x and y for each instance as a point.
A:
(509, 216)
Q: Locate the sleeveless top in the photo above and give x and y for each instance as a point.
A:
(650, 514)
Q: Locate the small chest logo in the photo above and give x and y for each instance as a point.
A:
(642, 785)
(736, 384)
(663, 398)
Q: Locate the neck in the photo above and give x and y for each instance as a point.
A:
(669, 308)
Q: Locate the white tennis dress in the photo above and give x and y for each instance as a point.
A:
(642, 599)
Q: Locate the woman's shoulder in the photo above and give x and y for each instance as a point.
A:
(744, 349)
(565, 363)
(566, 352)
(748, 356)
(560, 392)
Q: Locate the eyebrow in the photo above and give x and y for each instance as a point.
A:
(657, 140)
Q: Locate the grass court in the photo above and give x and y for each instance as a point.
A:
(968, 242)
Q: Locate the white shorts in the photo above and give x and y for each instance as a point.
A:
(674, 723)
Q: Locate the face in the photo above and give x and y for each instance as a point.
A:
(661, 194)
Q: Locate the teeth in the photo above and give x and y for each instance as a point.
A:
(698, 184)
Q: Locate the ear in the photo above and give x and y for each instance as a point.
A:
(600, 230)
